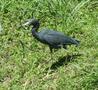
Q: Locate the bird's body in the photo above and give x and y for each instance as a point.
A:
(52, 38)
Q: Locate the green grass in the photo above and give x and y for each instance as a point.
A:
(24, 61)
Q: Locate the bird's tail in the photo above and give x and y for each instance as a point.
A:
(77, 42)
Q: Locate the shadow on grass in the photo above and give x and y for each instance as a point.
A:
(63, 61)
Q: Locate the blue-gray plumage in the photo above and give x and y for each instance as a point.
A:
(53, 39)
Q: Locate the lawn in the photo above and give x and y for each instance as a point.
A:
(26, 64)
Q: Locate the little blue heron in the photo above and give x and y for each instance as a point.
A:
(52, 38)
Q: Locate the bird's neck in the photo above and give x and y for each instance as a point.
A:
(35, 31)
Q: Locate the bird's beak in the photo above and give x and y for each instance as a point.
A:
(28, 22)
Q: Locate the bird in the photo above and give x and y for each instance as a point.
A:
(53, 38)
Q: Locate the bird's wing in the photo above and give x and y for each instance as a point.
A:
(55, 38)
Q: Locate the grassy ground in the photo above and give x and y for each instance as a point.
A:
(24, 61)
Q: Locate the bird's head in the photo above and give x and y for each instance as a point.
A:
(33, 22)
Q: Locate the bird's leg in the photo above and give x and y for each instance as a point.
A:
(51, 51)
(51, 57)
